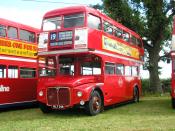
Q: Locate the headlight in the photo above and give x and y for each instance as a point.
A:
(41, 93)
(79, 94)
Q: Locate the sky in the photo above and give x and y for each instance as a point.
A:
(30, 13)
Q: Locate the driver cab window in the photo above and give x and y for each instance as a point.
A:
(66, 66)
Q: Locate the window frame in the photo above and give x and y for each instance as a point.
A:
(109, 25)
(123, 70)
(28, 69)
(17, 68)
(5, 29)
(100, 24)
(126, 71)
(76, 13)
(2, 70)
(17, 37)
(110, 65)
(28, 32)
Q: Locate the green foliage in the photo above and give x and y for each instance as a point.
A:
(165, 83)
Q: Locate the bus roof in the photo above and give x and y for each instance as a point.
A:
(76, 9)
(6, 22)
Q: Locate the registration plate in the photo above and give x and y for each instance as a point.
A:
(57, 106)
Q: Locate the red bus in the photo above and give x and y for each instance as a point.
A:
(18, 64)
(173, 66)
(87, 60)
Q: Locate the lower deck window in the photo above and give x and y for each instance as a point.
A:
(135, 71)
(2, 71)
(109, 68)
(12, 72)
(27, 72)
(91, 68)
(128, 71)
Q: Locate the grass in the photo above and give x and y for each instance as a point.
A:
(151, 113)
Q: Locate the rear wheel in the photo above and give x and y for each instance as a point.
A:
(44, 108)
(94, 105)
(136, 95)
(173, 103)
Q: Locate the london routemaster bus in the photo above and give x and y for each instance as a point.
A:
(87, 60)
(172, 54)
(18, 64)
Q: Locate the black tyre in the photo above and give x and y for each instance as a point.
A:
(135, 95)
(94, 105)
(44, 108)
(173, 103)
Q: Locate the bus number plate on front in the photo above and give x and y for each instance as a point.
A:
(57, 106)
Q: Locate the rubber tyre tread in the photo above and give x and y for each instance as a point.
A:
(89, 106)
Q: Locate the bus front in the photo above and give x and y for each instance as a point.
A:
(68, 70)
(65, 31)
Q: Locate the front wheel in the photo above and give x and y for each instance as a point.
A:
(136, 95)
(94, 105)
(173, 103)
(44, 108)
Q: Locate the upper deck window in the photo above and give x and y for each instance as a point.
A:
(133, 40)
(2, 31)
(139, 43)
(27, 35)
(107, 27)
(12, 32)
(52, 24)
(73, 20)
(125, 36)
(118, 32)
(94, 22)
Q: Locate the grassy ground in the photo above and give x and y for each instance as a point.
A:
(151, 113)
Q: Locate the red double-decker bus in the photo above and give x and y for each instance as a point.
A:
(18, 64)
(87, 60)
(172, 53)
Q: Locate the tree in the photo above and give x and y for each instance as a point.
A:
(151, 19)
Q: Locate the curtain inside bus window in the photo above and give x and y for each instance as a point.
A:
(12, 72)
(52, 24)
(2, 31)
(12, 32)
(26, 35)
(2, 71)
(73, 20)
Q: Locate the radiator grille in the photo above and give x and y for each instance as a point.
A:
(58, 96)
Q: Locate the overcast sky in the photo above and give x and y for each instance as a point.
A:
(30, 12)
